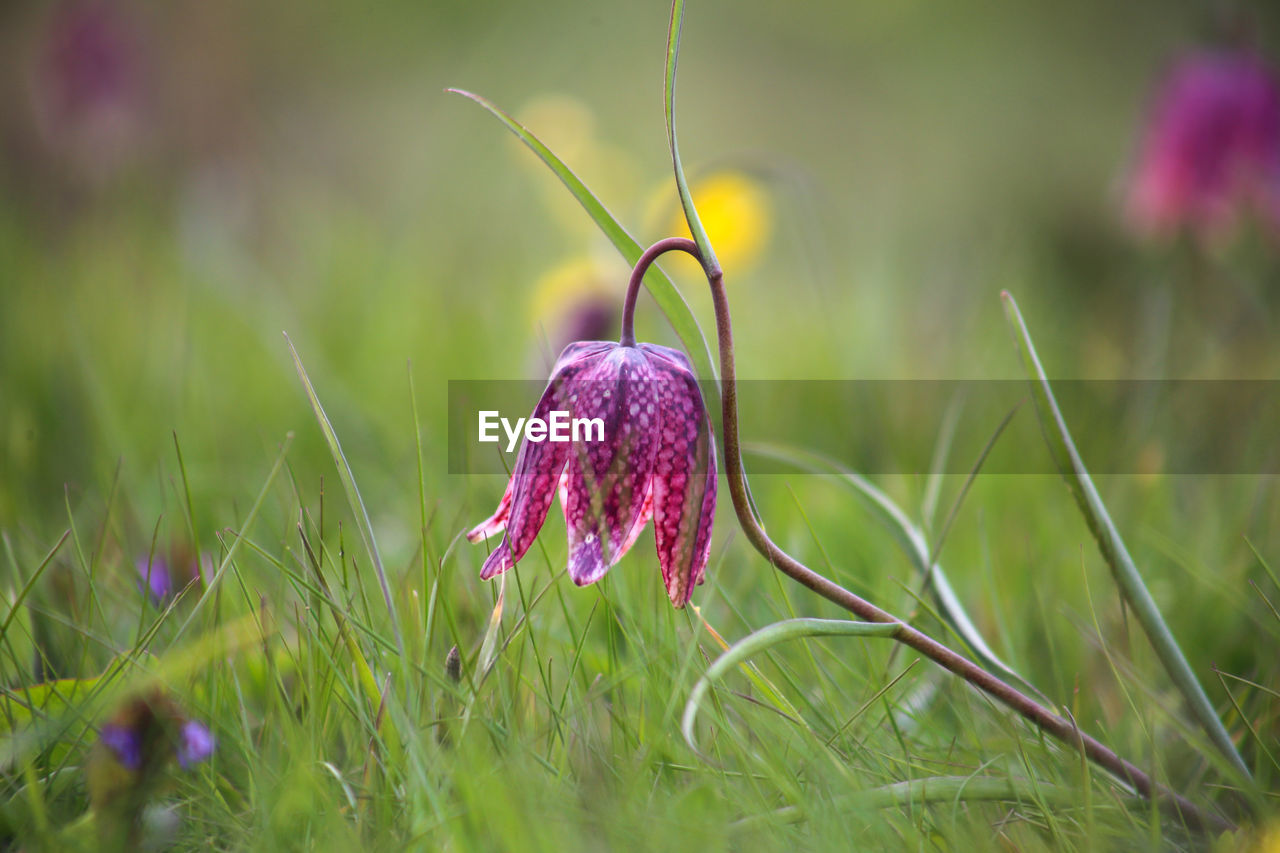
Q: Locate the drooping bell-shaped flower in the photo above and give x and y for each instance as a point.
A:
(1211, 147)
(653, 455)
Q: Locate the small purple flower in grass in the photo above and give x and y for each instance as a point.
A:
(656, 460)
(155, 579)
(151, 730)
(125, 744)
(195, 744)
(1211, 146)
(161, 579)
(131, 762)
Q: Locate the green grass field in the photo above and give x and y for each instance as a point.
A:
(285, 171)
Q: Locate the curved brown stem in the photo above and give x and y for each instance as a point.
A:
(1058, 726)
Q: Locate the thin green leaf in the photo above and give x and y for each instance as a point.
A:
(1113, 549)
(664, 293)
(766, 687)
(489, 649)
(48, 699)
(363, 524)
(766, 637)
(31, 582)
(212, 586)
(669, 105)
(933, 789)
(374, 695)
(912, 541)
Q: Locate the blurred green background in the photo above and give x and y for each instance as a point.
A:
(297, 167)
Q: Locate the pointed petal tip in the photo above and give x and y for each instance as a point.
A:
(586, 563)
(496, 523)
(678, 600)
(498, 562)
(487, 529)
(684, 488)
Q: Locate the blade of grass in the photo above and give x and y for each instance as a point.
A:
(363, 524)
(31, 582)
(422, 509)
(910, 538)
(764, 638)
(1113, 549)
(489, 650)
(932, 789)
(374, 695)
(1261, 741)
(188, 505)
(699, 233)
(710, 263)
(751, 671)
(664, 293)
(211, 588)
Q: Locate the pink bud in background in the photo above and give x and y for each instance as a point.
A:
(88, 83)
(1211, 147)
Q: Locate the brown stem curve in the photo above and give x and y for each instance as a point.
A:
(1056, 725)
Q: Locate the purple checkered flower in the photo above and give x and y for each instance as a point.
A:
(1211, 146)
(656, 458)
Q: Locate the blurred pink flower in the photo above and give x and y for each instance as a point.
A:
(162, 578)
(88, 85)
(90, 61)
(1211, 147)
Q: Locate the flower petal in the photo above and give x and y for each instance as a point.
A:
(540, 463)
(646, 513)
(496, 523)
(684, 479)
(609, 480)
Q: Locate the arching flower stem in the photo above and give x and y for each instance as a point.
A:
(1058, 726)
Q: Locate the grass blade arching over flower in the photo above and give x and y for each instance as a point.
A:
(664, 293)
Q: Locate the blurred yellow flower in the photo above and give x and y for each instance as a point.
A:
(1249, 839)
(736, 210)
(568, 127)
(563, 123)
(1270, 841)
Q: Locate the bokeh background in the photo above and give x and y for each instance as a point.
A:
(182, 182)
